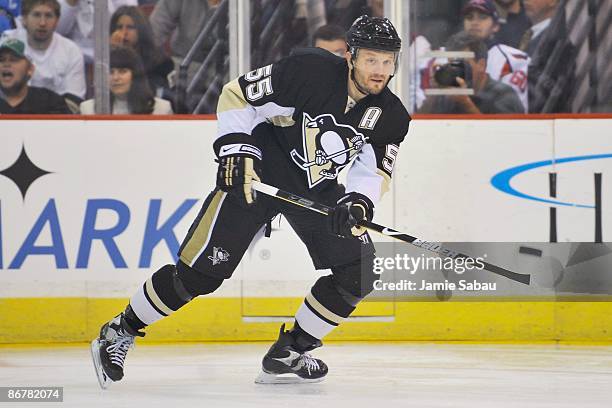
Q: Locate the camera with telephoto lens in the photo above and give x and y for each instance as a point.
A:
(445, 75)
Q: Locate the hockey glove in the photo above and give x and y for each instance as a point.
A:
(350, 209)
(239, 165)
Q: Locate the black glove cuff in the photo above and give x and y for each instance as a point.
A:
(236, 145)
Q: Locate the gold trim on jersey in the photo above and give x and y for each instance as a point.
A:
(231, 97)
(386, 184)
(229, 164)
(282, 121)
(200, 235)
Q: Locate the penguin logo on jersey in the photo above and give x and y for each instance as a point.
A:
(219, 255)
(328, 147)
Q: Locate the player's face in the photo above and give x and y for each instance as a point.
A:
(15, 72)
(40, 23)
(479, 25)
(373, 69)
(337, 47)
(126, 31)
(120, 81)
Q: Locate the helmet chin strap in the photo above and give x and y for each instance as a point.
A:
(359, 88)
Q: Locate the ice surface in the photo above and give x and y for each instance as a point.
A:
(374, 375)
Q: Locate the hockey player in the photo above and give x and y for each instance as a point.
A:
(293, 124)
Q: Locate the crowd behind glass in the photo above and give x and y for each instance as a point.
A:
(464, 56)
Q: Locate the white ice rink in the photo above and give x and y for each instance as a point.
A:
(361, 375)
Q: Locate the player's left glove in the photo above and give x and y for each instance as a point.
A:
(350, 209)
(239, 165)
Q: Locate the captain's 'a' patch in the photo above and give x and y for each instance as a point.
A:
(328, 147)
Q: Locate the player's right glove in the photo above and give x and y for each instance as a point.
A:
(239, 164)
(350, 209)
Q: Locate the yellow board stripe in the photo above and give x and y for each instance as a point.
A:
(323, 311)
(155, 299)
(198, 241)
(207, 318)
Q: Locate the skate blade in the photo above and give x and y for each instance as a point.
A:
(267, 378)
(103, 379)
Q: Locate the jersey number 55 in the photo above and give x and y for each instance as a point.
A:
(261, 83)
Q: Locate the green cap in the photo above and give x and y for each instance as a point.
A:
(14, 45)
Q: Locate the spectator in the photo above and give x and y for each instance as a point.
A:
(540, 12)
(15, 72)
(278, 37)
(513, 22)
(504, 63)
(187, 17)
(130, 28)
(9, 11)
(77, 22)
(552, 72)
(344, 12)
(419, 64)
(129, 90)
(59, 61)
(308, 17)
(490, 96)
(312, 12)
(178, 23)
(332, 38)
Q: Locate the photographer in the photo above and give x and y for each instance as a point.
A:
(504, 63)
(490, 96)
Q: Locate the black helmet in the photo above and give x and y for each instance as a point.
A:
(373, 32)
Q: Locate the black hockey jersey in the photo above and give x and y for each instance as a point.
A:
(300, 115)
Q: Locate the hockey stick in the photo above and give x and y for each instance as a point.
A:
(430, 246)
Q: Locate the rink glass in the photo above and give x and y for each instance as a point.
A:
(277, 27)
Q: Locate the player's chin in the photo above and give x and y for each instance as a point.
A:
(376, 87)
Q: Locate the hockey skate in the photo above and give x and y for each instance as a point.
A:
(110, 349)
(284, 364)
